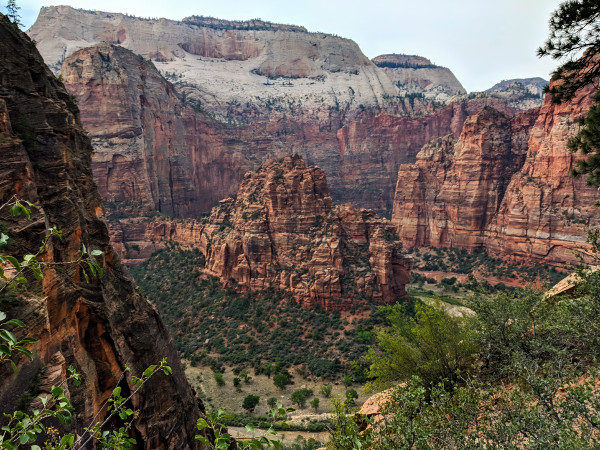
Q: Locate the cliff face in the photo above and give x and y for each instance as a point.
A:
(152, 151)
(96, 326)
(283, 232)
(374, 148)
(505, 185)
(239, 71)
(417, 75)
(451, 193)
(546, 213)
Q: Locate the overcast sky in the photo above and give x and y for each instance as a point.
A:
(481, 41)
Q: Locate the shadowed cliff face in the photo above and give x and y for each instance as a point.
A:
(283, 232)
(505, 185)
(97, 327)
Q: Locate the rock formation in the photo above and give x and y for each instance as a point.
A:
(283, 232)
(449, 196)
(417, 76)
(522, 93)
(238, 72)
(101, 326)
(153, 151)
(504, 186)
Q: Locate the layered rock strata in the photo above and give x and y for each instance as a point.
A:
(417, 76)
(283, 232)
(505, 186)
(98, 327)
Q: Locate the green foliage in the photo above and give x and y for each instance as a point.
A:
(282, 380)
(326, 390)
(429, 344)
(300, 397)
(574, 34)
(587, 141)
(314, 403)
(214, 425)
(250, 402)
(275, 328)
(218, 376)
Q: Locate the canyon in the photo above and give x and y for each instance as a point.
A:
(92, 325)
(179, 111)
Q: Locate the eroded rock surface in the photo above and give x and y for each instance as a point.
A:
(283, 232)
(98, 327)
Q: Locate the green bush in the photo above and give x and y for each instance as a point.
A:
(250, 402)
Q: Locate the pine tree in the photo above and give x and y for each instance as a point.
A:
(12, 12)
(575, 34)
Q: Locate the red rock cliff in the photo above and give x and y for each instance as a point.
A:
(504, 186)
(98, 327)
(283, 232)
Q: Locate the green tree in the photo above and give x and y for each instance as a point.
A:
(326, 390)
(431, 345)
(300, 396)
(272, 402)
(314, 403)
(12, 12)
(282, 380)
(250, 402)
(218, 376)
(575, 35)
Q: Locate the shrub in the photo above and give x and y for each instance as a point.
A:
(430, 344)
(250, 402)
(300, 396)
(326, 390)
(219, 379)
(282, 380)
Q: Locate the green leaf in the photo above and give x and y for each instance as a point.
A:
(250, 428)
(3, 239)
(15, 322)
(149, 371)
(15, 262)
(96, 252)
(14, 366)
(203, 439)
(116, 391)
(8, 336)
(2, 315)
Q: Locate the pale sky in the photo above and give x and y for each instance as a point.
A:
(481, 41)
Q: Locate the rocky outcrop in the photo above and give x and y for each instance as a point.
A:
(450, 195)
(521, 93)
(417, 76)
(238, 72)
(283, 232)
(505, 186)
(153, 152)
(101, 326)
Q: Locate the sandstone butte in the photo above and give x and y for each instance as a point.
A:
(98, 327)
(503, 185)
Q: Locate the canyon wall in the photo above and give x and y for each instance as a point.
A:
(505, 186)
(101, 326)
(283, 232)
